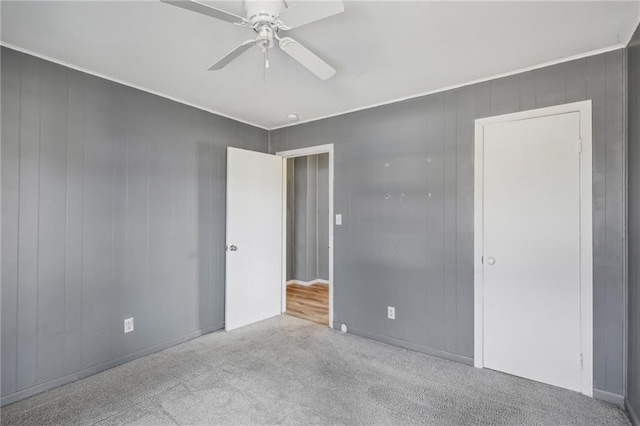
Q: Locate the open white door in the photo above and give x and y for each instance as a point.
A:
(254, 237)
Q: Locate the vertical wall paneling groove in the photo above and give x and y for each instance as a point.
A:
(435, 223)
(614, 219)
(464, 223)
(633, 300)
(449, 214)
(52, 225)
(112, 207)
(11, 87)
(73, 226)
(432, 138)
(27, 323)
(595, 82)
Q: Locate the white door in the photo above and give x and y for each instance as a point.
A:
(532, 299)
(254, 237)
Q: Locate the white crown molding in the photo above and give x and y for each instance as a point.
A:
(388, 102)
(124, 83)
(457, 86)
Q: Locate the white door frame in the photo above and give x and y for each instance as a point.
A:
(586, 237)
(303, 152)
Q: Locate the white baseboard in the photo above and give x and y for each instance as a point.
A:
(307, 283)
(611, 397)
(72, 377)
(635, 421)
(409, 345)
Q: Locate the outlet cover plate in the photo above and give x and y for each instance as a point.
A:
(391, 312)
(128, 325)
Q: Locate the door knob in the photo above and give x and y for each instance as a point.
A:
(233, 248)
(491, 261)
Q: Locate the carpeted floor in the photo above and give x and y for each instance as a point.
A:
(287, 370)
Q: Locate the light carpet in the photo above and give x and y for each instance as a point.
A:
(289, 371)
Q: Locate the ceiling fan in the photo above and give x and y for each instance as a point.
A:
(267, 18)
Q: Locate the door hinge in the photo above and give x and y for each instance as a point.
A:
(482, 260)
(581, 362)
(579, 145)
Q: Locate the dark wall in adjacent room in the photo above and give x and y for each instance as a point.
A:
(113, 206)
(404, 185)
(633, 360)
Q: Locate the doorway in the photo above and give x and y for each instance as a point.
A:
(307, 285)
(533, 245)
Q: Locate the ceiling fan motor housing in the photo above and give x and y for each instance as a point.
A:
(263, 11)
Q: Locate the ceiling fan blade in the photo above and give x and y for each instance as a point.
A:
(307, 58)
(229, 57)
(306, 12)
(204, 9)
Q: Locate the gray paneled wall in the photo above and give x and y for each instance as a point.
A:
(633, 360)
(322, 230)
(404, 185)
(308, 218)
(311, 240)
(290, 249)
(300, 217)
(113, 206)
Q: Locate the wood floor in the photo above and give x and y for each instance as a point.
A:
(309, 302)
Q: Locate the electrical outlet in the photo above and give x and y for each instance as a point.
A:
(128, 325)
(391, 312)
(338, 219)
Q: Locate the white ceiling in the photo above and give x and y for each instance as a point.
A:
(382, 50)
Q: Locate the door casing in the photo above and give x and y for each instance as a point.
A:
(584, 108)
